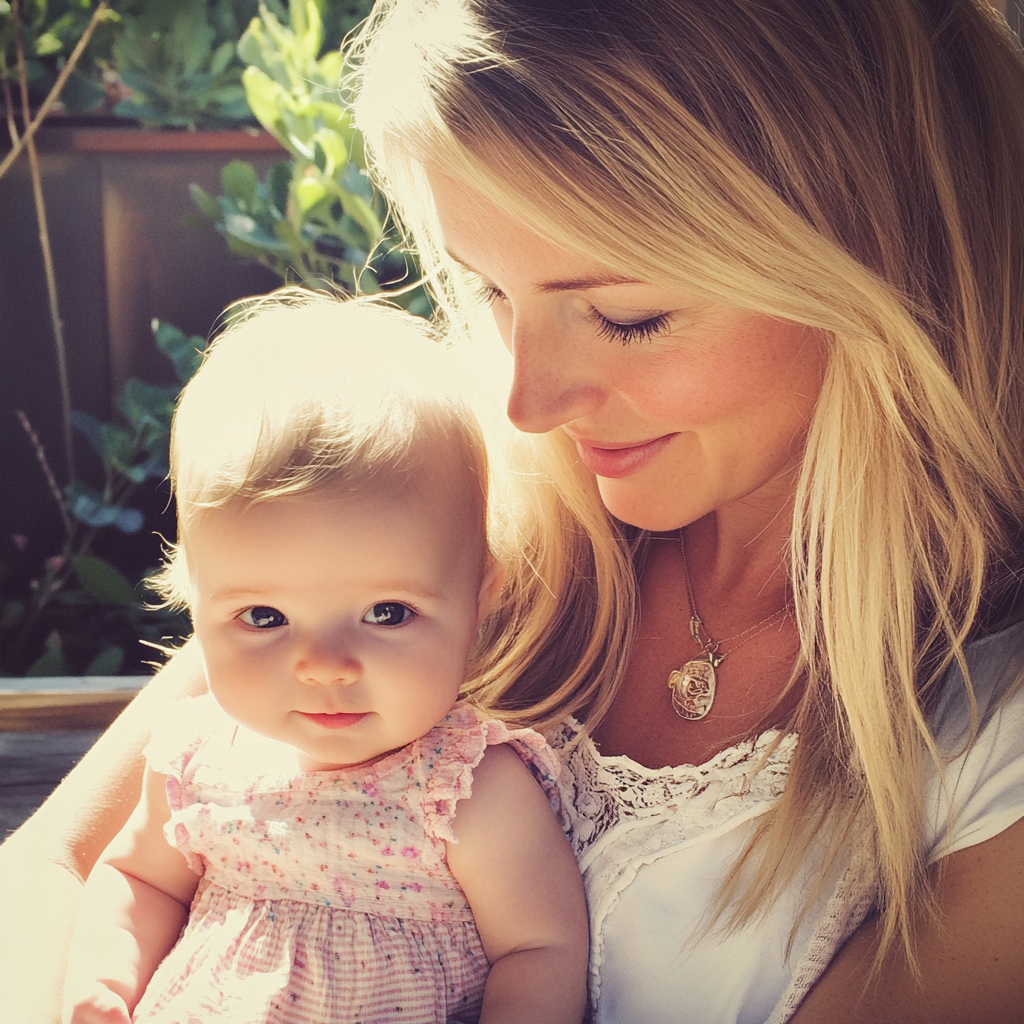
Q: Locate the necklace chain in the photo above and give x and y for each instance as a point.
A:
(693, 685)
(710, 646)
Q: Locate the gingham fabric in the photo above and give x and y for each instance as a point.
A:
(325, 896)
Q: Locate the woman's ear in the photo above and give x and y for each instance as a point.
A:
(490, 588)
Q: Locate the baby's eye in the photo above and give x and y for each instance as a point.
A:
(263, 618)
(388, 613)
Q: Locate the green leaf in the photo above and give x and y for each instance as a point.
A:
(147, 406)
(335, 117)
(52, 663)
(239, 181)
(47, 44)
(103, 581)
(205, 202)
(308, 191)
(184, 352)
(279, 180)
(88, 506)
(91, 427)
(330, 153)
(12, 612)
(107, 663)
(264, 96)
(359, 209)
(221, 58)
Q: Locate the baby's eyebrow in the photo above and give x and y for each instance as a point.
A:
(234, 593)
(398, 591)
(570, 284)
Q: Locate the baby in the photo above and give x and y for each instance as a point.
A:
(331, 835)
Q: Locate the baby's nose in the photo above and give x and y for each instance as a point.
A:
(328, 664)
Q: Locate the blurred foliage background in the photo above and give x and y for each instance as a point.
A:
(313, 218)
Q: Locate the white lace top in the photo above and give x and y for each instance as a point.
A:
(654, 844)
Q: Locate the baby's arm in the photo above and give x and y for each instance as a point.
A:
(521, 880)
(135, 902)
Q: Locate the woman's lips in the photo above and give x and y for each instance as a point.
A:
(617, 460)
(339, 721)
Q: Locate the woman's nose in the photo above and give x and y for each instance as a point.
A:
(327, 663)
(550, 382)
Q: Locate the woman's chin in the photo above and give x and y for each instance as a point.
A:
(646, 508)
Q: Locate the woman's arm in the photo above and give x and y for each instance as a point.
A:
(521, 880)
(971, 956)
(43, 864)
(135, 902)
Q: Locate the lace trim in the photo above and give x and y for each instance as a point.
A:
(620, 815)
(850, 904)
(600, 794)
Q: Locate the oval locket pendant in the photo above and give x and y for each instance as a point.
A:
(693, 687)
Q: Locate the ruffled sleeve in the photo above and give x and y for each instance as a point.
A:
(452, 750)
(173, 744)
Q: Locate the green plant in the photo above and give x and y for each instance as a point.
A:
(315, 218)
(49, 30)
(179, 72)
(81, 614)
(163, 62)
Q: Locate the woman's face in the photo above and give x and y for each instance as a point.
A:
(678, 405)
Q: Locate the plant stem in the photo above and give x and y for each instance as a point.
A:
(31, 127)
(12, 128)
(37, 447)
(44, 241)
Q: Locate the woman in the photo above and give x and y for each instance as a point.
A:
(759, 267)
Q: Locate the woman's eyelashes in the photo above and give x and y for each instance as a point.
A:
(388, 613)
(485, 294)
(626, 333)
(262, 617)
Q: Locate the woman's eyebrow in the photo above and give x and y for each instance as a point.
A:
(571, 284)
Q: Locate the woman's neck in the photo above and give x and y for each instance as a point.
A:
(736, 566)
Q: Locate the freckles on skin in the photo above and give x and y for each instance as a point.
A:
(740, 395)
(707, 405)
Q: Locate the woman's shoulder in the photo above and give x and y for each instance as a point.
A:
(995, 667)
(980, 735)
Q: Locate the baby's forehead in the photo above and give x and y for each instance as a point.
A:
(443, 478)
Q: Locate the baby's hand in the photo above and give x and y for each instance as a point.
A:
(95, 1004)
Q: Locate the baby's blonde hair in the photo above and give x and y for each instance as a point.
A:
(302, 391)
(852, 165)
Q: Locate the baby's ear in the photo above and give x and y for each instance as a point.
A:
(490, 588)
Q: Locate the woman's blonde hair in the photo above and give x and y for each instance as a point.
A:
(852, 165)
(304, 391)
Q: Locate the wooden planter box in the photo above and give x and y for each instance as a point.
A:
(118, 209)
(59, 703)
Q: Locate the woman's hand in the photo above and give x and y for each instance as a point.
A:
(98, 1006)
(971, 956)
(44, 863)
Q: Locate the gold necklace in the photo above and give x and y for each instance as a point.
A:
(693, 684)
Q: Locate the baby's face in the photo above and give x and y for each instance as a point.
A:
(340, 625)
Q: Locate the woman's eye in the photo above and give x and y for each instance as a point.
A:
(263, 618)
(626, 334)
(388, 613)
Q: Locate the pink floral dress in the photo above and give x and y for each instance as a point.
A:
(325, 896)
